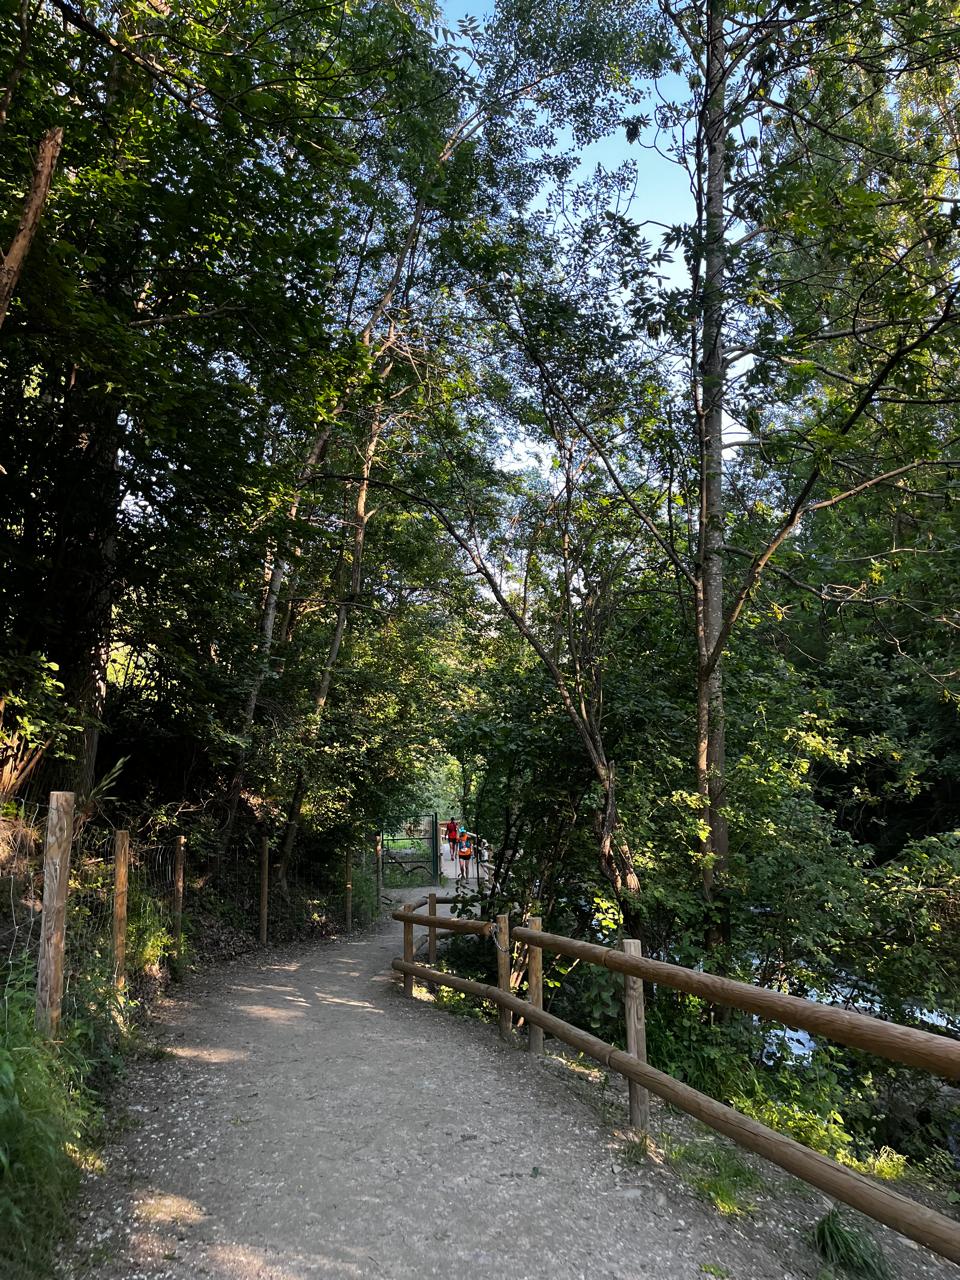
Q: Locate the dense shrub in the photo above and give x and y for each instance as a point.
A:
(45, 1113)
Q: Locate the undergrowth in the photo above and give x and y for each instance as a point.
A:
(890, 1122)
(847, 1250)
(47, 1114)
(396, 876)
(718, 1174)
(51, 1091)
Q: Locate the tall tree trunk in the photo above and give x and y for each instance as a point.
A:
(268, 618)
(349, 599)
(73, 626)
(290, 835)
(710, 755)
(279, 571)
(356, 561)
(615, 859)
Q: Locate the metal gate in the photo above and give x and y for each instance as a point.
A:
(415, 844)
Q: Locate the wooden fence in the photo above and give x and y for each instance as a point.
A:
(934, 1053)
(58, 847)
(54, 918)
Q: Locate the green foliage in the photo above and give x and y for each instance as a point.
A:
(851, 1251)
(44, 1116)
(149, 940)
(799, 1120)
(463, 1005)
(718, 1173)
(399, 877)
(33, 719)
(366, 424)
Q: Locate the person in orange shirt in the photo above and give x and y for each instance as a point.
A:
(465, 853)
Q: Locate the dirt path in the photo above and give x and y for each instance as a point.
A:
(308, 1121)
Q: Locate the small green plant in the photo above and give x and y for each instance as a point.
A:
(463, 1005)
(713, 1269)
(886, 1164)
(851, 1251)
(718, 1174)
(821, 1130)
(634, 1152)
(148, 933)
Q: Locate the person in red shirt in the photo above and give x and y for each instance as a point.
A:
(452, 833)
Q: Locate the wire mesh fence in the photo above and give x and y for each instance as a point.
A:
(100, 949)
(21, 886)
(88, 923)
(138, 903)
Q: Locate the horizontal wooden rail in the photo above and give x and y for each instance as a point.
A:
(448, 900)
(452, 924)
(927, 1227)
(938, 1054)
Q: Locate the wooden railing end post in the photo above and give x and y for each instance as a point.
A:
(636, 1038)
(408, 948)
(501, 939)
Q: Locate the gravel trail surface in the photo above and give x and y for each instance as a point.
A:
(308, 1121)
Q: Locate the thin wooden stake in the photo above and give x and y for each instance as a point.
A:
(121, 875)
(636, 1038)
(378, 872)
(348, 890)
(56, 880)
(502, 940)
(264, 886)
(179, 860)
(535, 987)
(408, 949)
(432, 934)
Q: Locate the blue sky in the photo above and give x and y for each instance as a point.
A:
(663, 193)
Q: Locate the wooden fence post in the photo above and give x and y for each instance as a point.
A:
(408, 950)
(502, 941)
(636, 1038)
(121, 877)
(378, 872)
(56, 880)
(432, 934)
(348, 890)
(179, 860)
(535, 987)
(264, 886)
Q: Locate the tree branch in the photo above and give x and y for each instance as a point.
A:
(14, 259)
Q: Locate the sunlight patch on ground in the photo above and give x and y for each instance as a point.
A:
(207, 1055)
(322, 998)
(167, 1207)
(270, 1012)
(243, 1262)
(281, 988)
